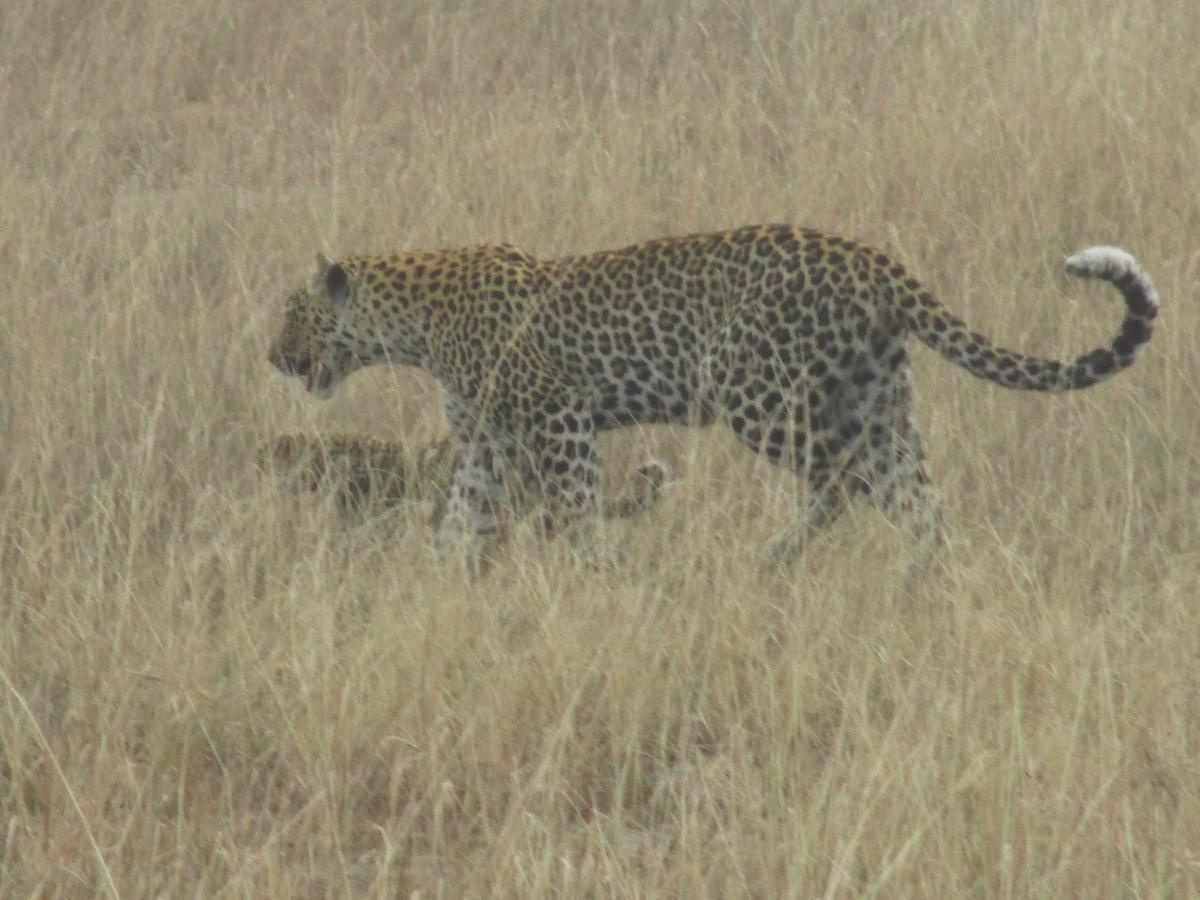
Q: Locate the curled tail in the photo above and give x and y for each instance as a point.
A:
(938, 329)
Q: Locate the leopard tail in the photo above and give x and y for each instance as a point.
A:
(921, 315)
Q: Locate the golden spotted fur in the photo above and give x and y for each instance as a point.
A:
(797, 340)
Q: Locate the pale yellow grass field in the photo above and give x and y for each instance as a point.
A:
(209, 689)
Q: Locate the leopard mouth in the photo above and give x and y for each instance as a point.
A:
(321, 377)
(319, 380)
(288, 366)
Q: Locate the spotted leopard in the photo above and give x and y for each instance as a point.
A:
(366, 474)
(362, 473)
(797, 340)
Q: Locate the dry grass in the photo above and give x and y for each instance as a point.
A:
(208, 691)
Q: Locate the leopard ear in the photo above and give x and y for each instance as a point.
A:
(335, 279)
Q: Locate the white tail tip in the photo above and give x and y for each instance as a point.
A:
(1115, 265)
(1102, 262)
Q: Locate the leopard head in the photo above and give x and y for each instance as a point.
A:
(315, 340)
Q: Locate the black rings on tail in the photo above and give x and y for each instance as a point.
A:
(949, 336)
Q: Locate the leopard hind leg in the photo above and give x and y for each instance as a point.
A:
(889, 469)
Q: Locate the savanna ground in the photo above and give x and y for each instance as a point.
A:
(211, 688)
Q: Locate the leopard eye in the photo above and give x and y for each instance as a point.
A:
(337, 285)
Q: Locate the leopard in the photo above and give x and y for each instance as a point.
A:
(366, 474)
(363, 473)
(794, 338)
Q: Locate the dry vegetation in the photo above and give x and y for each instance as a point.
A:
(206, 689)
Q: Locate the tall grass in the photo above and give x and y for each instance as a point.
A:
(210, 688)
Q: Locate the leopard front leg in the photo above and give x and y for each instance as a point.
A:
(561, 438)
(476, 500)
